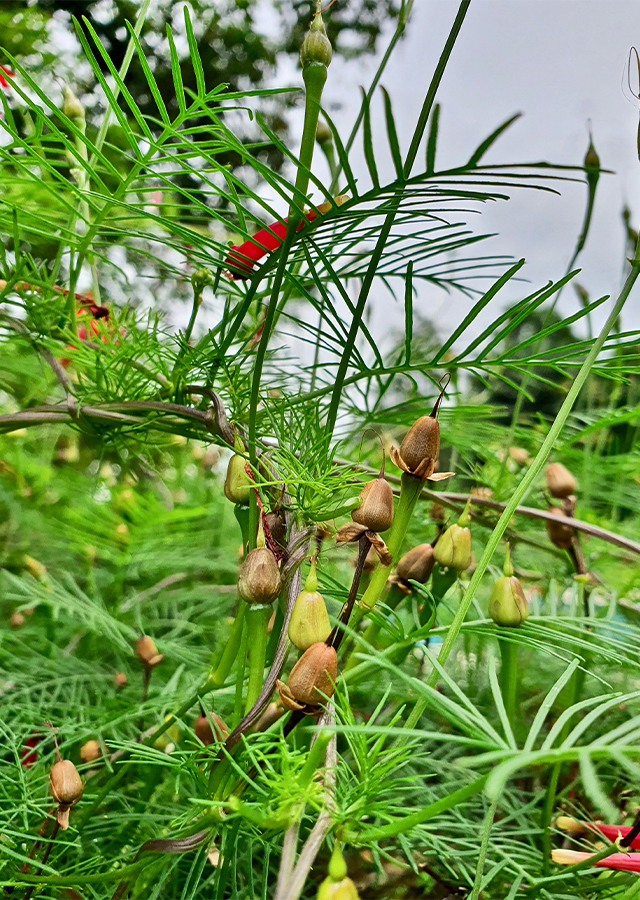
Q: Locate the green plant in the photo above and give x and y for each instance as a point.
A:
(386, 747)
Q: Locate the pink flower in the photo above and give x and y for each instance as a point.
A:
(627, 862)
(3, 81)
(242, 256)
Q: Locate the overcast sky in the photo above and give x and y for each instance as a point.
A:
(559, 62)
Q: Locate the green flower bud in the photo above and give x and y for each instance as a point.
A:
(259, 579)
(376, 506)
(237, 484)
(453, 548)
(416, 564)
(344, 889)
(316, 47)
(508, 605)
(71, 106)
(309, 623)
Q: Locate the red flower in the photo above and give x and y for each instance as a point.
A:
(28, 754)
(3, 81)
(242, 256)
(612, 832)
(628, 862)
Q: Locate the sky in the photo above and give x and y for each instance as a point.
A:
(561, 63)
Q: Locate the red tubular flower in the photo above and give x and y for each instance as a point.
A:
(242, 256)
(627, 862)
(29, 754)
(4, 71)
(612, 832)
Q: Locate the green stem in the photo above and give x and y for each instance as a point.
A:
(509, 676)
(526, 483)
(257, 620)
(242, 663)
(219, 676)
(482, 855)
(410, 488)
(314, 76)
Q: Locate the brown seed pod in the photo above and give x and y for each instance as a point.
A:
(376, 508)
(65, 786)
(560, 481)
(418, 453)
(259, 579)
(208, 733)
(559, 534)
(90, 751)
(416, 564)
(312, 678)
(147, 651)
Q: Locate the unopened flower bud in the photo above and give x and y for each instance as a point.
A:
(416, 564)
(560, 481)
(311, 680)
(376, 508)
(237, 484)
(309, 623)
(453, 548)
(71, 106)
(344, 889)
(559, 534)
(323, 133)
(65, 786)
(259, 579)
(316, 47)
(147, 652)
(508, 605)
(210, 733)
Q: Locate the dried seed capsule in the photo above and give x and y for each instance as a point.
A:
(559, 534)
(309, 623)
(90, 751)
(237, 484)
(259, 578)
(508, 605)
(65, 786)
(312, 678)
(208, 733)
(376, 508)
(418, 453)
(453, 548)
(560, 481)
(416, 564)
(147, 651)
